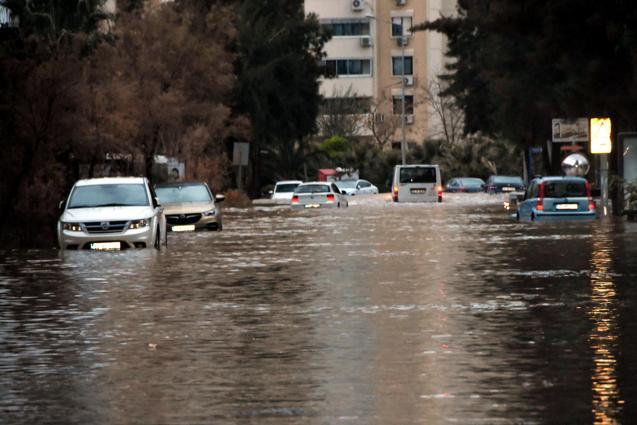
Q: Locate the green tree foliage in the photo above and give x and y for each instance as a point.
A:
(279, 49)
(519, 64)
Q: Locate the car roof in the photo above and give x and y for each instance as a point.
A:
(180, 184)
(545, 178)
(307, 183)
(288, 182)
(111, 180)
(417, 165)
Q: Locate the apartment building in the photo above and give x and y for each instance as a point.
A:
(374, 55)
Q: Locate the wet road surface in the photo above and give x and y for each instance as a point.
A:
(377, 314)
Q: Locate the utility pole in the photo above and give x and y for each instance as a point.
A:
(403, 142)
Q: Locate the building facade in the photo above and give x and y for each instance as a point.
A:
(374, 55)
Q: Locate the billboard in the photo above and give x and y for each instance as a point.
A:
(569, 130)
(600, 135)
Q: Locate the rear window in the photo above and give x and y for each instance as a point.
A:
(286, 188)
(507, 180)
(313, 188)
(564, 189)
(418, 175)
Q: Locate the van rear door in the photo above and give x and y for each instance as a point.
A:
(417, 183)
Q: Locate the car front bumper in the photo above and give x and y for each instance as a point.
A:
(131, 238)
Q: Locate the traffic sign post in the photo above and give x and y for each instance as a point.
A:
(240, 158)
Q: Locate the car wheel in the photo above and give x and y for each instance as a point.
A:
(517, 216)
(219, 227)
(157, 238)
(532, 217)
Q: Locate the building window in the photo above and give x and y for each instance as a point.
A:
(400, 26)
(398, 104)
(339, 67)
(397, 65)
(347, 28)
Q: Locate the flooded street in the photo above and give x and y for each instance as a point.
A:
(375, 314)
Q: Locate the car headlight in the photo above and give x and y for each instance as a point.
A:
(72, 227)
(210, 213)
(138, 224)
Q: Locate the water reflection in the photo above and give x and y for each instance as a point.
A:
(607, 401)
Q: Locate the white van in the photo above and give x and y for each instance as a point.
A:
(417, 183)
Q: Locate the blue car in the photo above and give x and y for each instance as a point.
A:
(557, 198)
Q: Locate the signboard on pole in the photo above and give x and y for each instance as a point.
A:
(601, 135)
(569, 130)
(240, 153)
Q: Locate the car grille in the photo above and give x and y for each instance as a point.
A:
(183, 218)
(105, 226)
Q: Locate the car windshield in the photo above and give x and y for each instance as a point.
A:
(182, 194)
(472, 182)
(109, 195)
(346, 184)
(507, 180)
(285, 187)
(418, 175)
(564, 188)
(313, 188)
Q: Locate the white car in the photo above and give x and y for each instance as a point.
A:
(284, 190)
(357, 187)
(111, 213)
(318, 195)
(417, 183)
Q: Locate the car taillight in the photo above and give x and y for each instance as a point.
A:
(540, 200)
(461, 189)
(439, 190)
(330, 198)
(295, 199)
(591, 203)
(395, 193)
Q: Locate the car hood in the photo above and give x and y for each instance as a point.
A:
(188, 207)
(106, 214)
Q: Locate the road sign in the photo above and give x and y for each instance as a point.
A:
(240, 153)
(600, 135)
(570, 130)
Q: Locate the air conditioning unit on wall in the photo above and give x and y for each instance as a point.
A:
(409, 119)
(366, 41)
(357, 5)
(402, 41)
(409, 80)
(401, 2)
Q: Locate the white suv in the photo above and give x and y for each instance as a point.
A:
(111, 213)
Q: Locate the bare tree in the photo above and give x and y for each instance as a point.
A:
(449, 119)
(340, 114)
(382, 123)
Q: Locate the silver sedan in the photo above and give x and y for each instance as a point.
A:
(318, 195)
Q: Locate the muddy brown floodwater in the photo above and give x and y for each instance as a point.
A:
(376, 314)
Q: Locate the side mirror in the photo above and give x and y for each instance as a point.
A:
(219, 198)
(157, 203)
(61, 205)
(343, 192)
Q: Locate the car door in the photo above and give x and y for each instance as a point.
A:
(529, 201)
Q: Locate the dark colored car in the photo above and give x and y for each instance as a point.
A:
(465, 184)
(499, 184)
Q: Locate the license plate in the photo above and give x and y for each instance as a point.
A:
(106, 246)
(418, 191)
(566, 206)
(184, 228)
(312, 205)
(508, 189)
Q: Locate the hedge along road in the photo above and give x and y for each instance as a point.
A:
(379, 313)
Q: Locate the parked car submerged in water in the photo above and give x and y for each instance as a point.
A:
(318, 195)
(499, 184)
(356, 187)
(557, 198)
(190, 206)
(110, 214)
(465, 184)
(283, 191)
